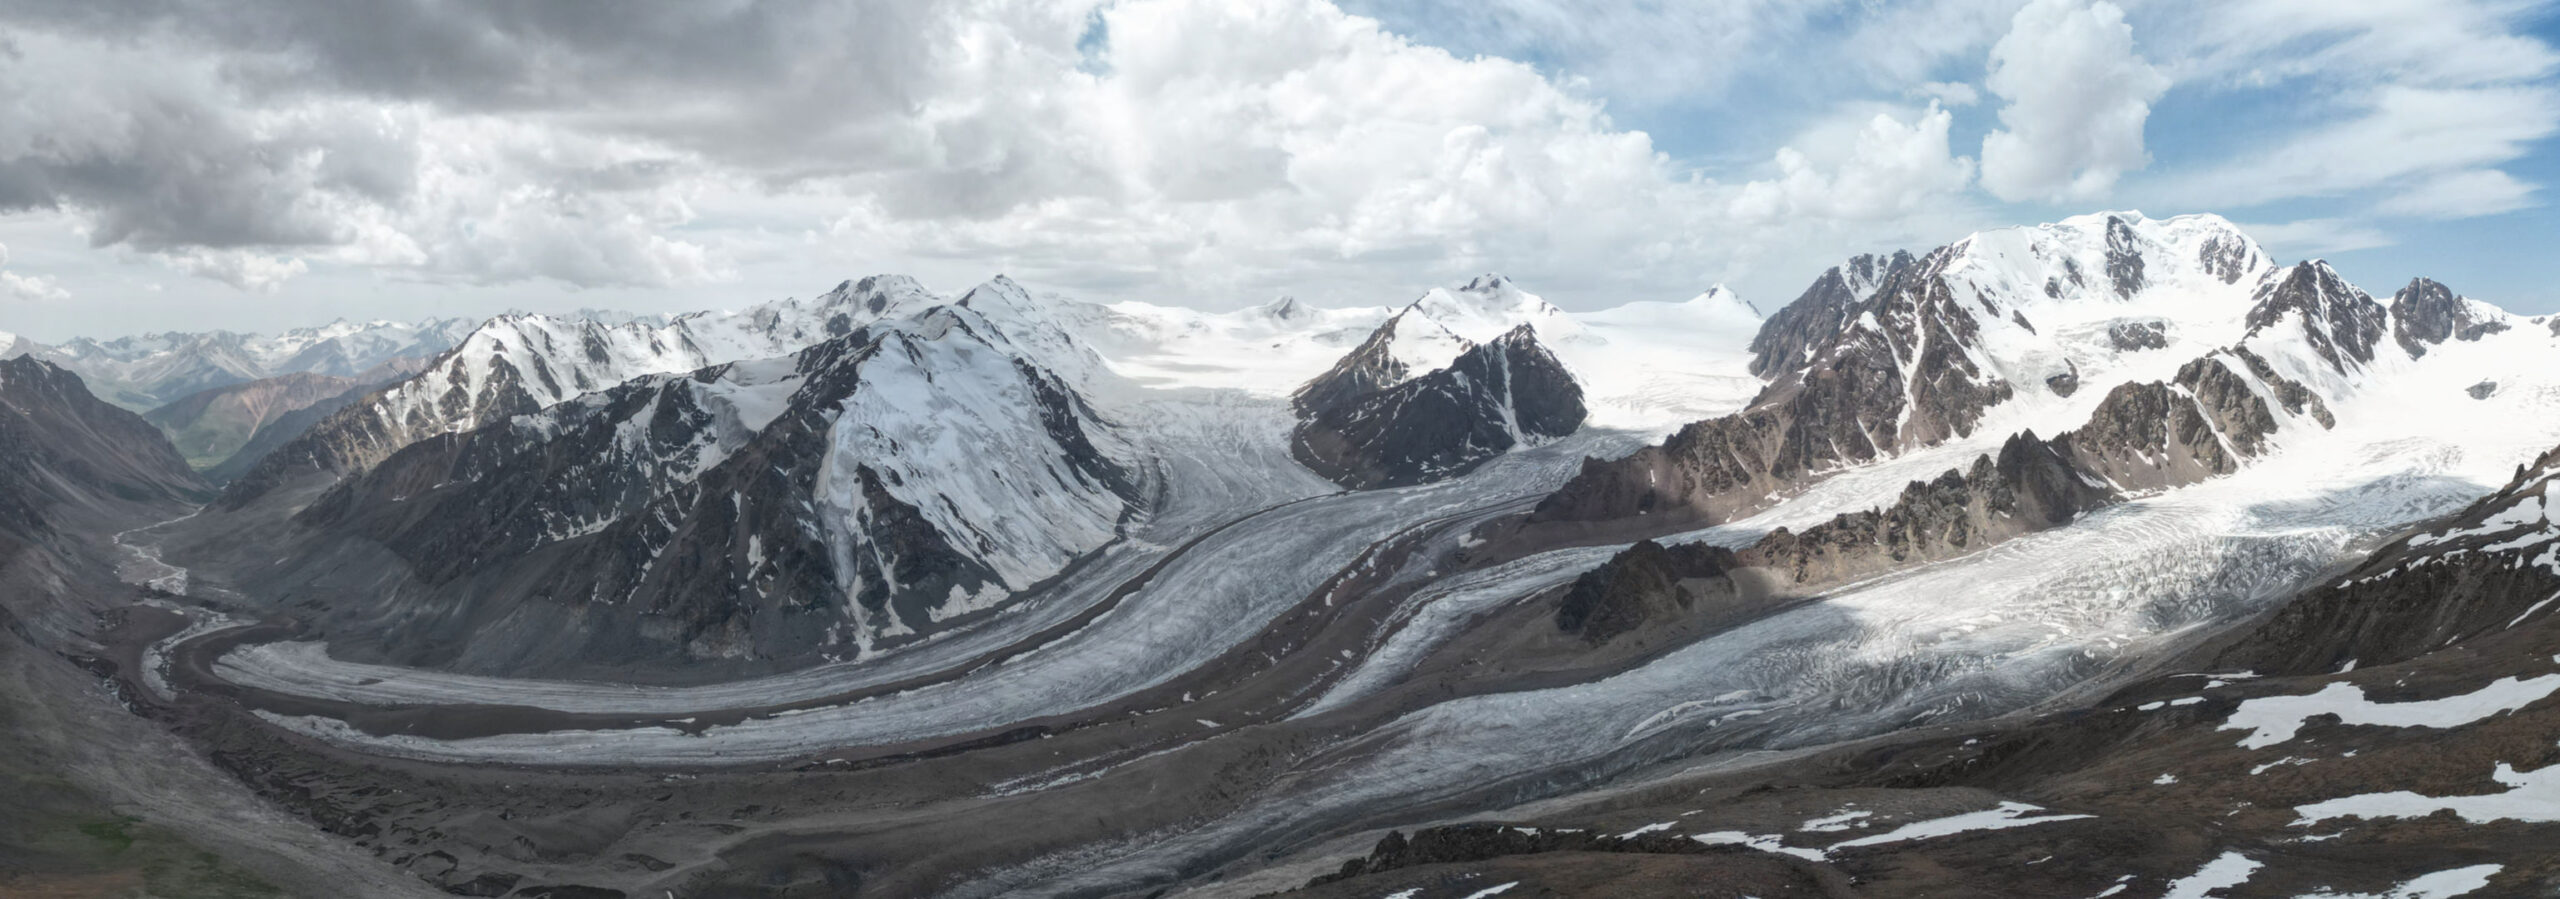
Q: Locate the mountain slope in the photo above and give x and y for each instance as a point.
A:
(1375, 422)
(879, 487)
(518, 364)
(2024, 315)
(209, 426)
(73, 454)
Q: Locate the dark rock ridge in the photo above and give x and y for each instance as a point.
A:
(2296, 398)
(2032, 485)
(1899, 375)
(2142, 436)
(71, 453)
(2426, 313)
(2482, 570)
(2124, 259)
(644, 525)
(1644, 584)
(525, 369)
(1788, 339)
(1365, 424)
(2342, 323)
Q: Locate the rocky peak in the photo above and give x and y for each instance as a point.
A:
(2340, 323)
(1406, 346)
(1789, 338)
(1377, 420)
(2426, 313)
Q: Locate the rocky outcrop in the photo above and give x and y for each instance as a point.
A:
(2124, 259)
(2032, 485)
(2341, 323)
(1645, 584)
(2296, 398)
(2426, 313)
(2129, 337)
(1371, 423)
(2198, 425)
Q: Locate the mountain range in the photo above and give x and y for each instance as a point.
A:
(2110, 556)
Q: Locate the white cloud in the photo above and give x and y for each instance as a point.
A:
(148, 146)
(2313, 237)
(2407, 134)
(2462, 194)
(2416, 102)
(1890, 169)
(1242, 148)
(2418, 43)
(27, 287)
(2077, 97)
(243, 269)
(1951, 94)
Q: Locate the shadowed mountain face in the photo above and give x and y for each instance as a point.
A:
(1370, 423)
(70, 453)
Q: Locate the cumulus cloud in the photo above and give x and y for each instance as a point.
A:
(243, 269)
(27, 287)
(2076, 97)
(1890, 168)
(151, 146)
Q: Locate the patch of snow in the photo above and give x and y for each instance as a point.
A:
(2531, 796)
(2007, 815)
(2438, 885)
(2275, 719)
(2230, 869)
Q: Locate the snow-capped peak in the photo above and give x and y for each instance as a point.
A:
(1489, 305)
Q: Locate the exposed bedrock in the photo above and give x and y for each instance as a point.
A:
(1369, 424)
(2426, 313)
(1899, 376)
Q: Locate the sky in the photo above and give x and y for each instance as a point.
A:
(196, 164)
